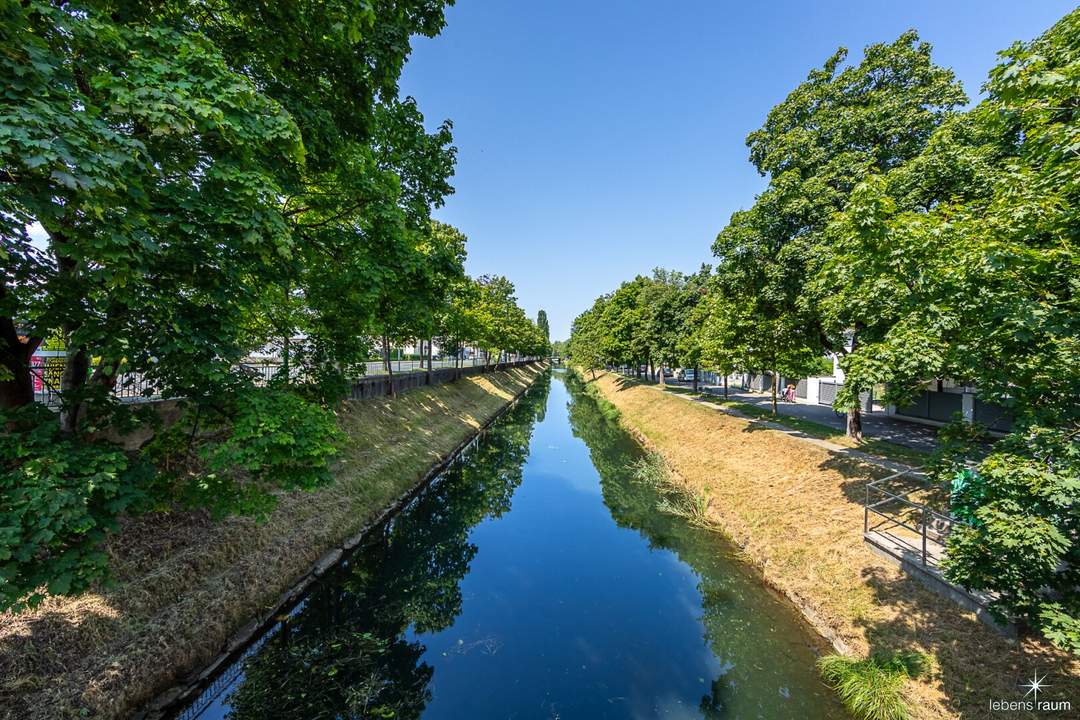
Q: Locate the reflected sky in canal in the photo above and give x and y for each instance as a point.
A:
(534, 579)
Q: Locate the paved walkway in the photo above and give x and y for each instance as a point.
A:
(876, 425)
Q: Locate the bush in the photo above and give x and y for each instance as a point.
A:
(61, 495)
(1022, 541)
(273, 440)
(59, 499)
(872, 688)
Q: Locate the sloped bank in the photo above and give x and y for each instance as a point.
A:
(796, 510)
(187, 588)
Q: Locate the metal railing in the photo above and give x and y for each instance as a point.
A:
(129, 387)
(929, 529)
(135, 387)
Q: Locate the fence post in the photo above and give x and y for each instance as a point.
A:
(866, 511)
(924, 536)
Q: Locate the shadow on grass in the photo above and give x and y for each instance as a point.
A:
(975, 664)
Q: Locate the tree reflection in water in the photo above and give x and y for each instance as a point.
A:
(735, 610)
(345, 652)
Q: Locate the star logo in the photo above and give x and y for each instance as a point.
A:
(1034, 685)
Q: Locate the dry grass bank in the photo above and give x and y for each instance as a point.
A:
(796, 508)
(185, 583)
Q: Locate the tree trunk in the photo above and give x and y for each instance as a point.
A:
(854, 414)
(15, 357)
(285, 358)
(725, 387)
(429, 361)
(696, 372)
(72, 386)
(662, 382)
(775, 385)
(389, 366)
(285, 339)
(854, 423)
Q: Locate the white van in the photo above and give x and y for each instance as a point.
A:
(685, 374)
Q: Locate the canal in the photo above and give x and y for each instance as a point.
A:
(535, 578)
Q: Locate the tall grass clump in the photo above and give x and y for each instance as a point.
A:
(651, 470)
(674, 499)
(872, 688)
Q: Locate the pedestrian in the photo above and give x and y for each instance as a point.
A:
(789, 393)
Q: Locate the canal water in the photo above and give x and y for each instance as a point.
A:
(535, 578)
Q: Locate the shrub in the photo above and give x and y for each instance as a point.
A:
(274, 440)
(59, 498)
(651, 470)
(1022, 543)
(871, 688)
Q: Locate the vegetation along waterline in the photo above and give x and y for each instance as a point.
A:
(928, 253)
(796, 511)
(519, 571)
(184, 583)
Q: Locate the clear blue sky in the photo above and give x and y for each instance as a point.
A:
(598, 140)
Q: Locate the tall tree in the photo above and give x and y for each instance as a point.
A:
(962, 264)
(542, 324)
(836, 128)
(157, 188)
(245, 148)
(588, 338)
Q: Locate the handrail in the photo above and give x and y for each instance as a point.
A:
(926, 514)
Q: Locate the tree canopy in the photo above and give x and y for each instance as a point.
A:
(184, 184)
(915, 242)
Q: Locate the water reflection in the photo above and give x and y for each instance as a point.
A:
(751, 633)
(345, 653)
(567, 595)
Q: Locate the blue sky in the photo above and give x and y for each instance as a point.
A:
(597, 140)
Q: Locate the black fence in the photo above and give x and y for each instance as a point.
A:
(943, 407)
(827, 392)
(379, 386)
(129, 387)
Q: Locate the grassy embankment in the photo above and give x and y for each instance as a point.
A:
(873, 446)
(796, 509)
(185, 584)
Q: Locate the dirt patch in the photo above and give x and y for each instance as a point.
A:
(796, 509)
(184, 584)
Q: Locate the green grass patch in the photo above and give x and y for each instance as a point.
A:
(872, 688)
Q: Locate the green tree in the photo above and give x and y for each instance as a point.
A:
(211, 179)
(691, 313)
(589, 337)
(623, 339)
(660, 325)
(836, 128)
(159, 201)
(542, 324)
(962, 264)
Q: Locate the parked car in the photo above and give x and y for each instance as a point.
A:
(668, 372)
(685, 374)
